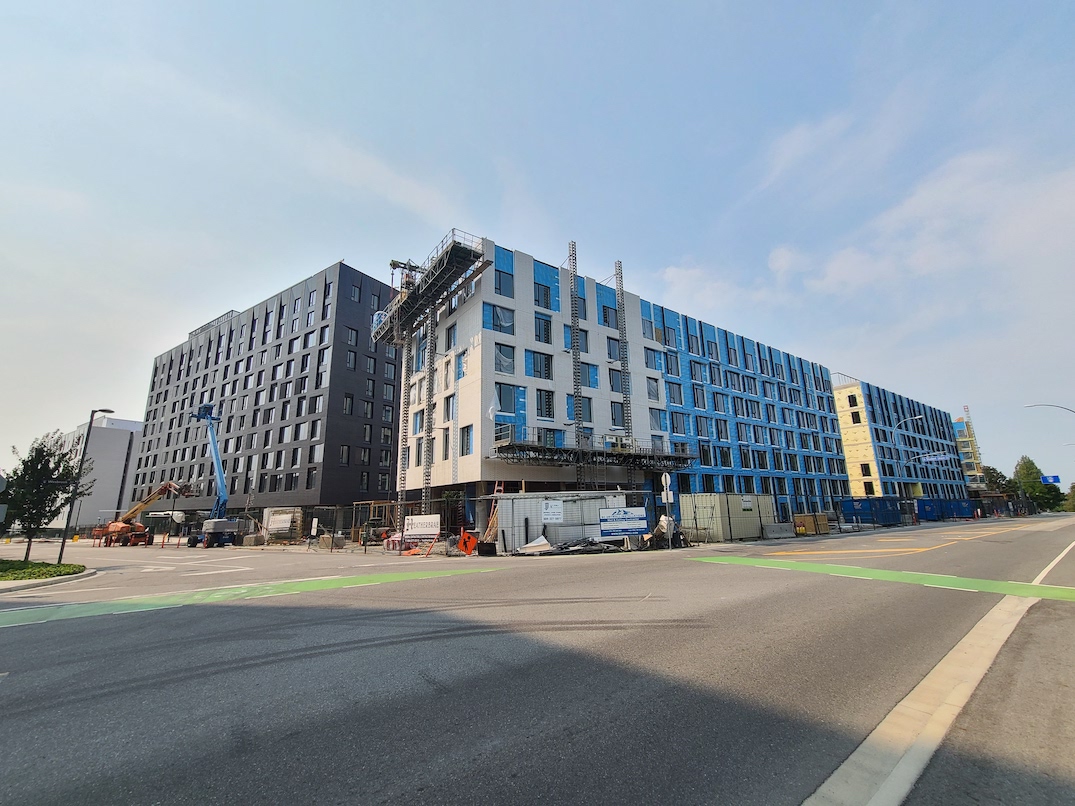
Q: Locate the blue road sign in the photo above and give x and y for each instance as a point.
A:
(1050, 479)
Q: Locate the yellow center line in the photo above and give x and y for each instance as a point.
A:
(951, 538)
(902, 550)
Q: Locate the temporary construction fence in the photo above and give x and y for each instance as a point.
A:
(724, 517)
(930, 509)
(520, 517)
(875, 511)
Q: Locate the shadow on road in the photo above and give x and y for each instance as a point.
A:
(267, 703)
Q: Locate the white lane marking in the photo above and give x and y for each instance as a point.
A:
(947, 587)
(223, 587)
(269, 595)
(158, 568)
(34, 593)
(218, 571)
(1053, 564)
(884, 768)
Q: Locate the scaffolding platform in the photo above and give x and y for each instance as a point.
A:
(457, 258)
(523, 448)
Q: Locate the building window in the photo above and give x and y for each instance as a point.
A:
(856, 417)
(348, 404)
(609, 317)
(502, 320)
(504, 284)
(852, 401)
(505, 398)
(466, 440)
(545, 407)
(679, 422)
(613, 349)
(450, 336)
(675, 394)
(653, 389)
(584, 339)
(345, 454)
(504, 359)
(867, 487)
(449, 408)
(585, 408)
(653, 359)
(656, 420)
(617, 414)
(615, 380)
(543, 328)
(542, 296)
(540, 365)
(865, 470)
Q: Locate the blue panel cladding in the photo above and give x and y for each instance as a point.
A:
(647, 310)
(547, 275)
(567, 337)
(520, 408)
(558, 437)
(504, 260)
(593, 376)
(529, 363)
(671, 323)
(518, 419)
(606, 297)
(487, 316)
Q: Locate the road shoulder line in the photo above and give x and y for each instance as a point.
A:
(884, 768)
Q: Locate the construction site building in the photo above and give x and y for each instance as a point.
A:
(527, 376)
(308, 402)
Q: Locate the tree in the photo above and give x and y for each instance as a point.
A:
(1069, 504)
(997, 482)
(45, 483)
(1027, 477)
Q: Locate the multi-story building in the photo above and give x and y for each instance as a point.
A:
(896, 446)
(307, 401)
(113, 450)
(969, 455)
(524, 375)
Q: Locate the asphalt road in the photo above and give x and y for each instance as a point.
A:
(192, 676)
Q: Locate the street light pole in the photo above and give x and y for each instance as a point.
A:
(1047, 405)
(78, 478)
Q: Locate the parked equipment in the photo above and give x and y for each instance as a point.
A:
(218, 529)
(126, 530)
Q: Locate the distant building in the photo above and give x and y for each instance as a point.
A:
(514, 379)
(113, 449)
(896, 446)
(969, 455)
(308, 403)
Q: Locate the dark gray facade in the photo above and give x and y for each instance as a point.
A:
(308, 404)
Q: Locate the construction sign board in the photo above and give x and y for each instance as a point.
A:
(552, 511)
(421, 526)
(623, 521)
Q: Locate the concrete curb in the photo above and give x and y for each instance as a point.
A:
(26, 584)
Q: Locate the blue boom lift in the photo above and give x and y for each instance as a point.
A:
(218, 530)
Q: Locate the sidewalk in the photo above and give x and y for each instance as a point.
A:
(9, 585)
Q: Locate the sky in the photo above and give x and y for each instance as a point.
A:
(885, 188)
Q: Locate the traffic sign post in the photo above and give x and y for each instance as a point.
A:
(1050, 479)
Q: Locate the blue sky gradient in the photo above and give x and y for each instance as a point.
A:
(885, 188)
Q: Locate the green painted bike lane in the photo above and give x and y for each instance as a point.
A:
(38, 615)
(1027, 589)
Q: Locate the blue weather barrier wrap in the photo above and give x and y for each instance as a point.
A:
(937, 509)
(880, 511)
